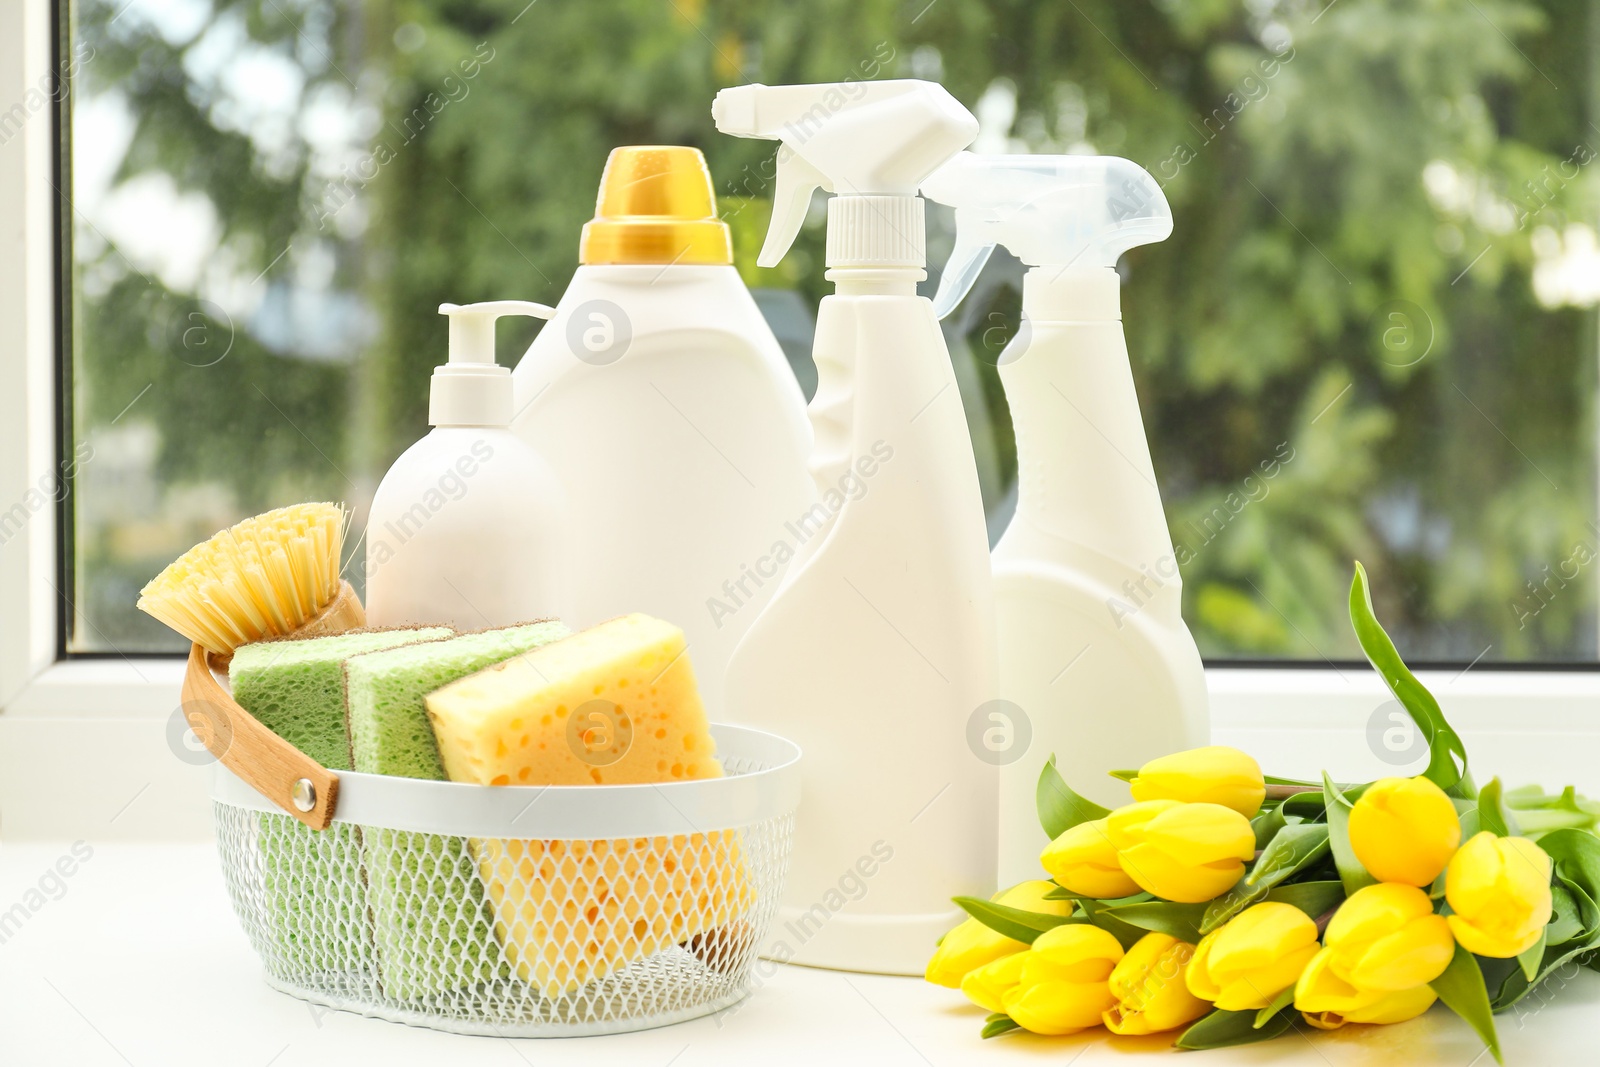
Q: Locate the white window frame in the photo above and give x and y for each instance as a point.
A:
(1292, 717)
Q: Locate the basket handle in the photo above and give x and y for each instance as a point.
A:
(269, 764)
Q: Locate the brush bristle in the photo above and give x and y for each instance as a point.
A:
(264, 577)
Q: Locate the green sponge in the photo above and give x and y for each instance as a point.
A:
(431, 925)
(315, 898)
(296, 686)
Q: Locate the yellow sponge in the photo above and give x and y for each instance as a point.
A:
(616, 704)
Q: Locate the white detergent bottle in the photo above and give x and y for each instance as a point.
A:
(879, 646)
(1094, 653)
(468, 528)
(669, 414)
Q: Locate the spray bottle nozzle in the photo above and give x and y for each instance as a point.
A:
(1063, 211)
(851, 138)
(471, 389)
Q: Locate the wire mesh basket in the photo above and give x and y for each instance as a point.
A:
(512, 911)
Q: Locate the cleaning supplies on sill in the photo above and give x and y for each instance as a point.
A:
(267, 576)
(879, 646)
(1093, 647)
(661, 400)
(469, 527)
(615, 704)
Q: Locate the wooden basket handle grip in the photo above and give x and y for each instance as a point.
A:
(272, 766)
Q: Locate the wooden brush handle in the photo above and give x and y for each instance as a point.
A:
(260, 757)
(343, 612)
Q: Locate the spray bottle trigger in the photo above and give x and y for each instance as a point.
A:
(796, 180)
(960, 272)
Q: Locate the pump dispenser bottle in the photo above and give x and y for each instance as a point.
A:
(669, 414)
(467, 528)
(878, 648)
(1093, 647)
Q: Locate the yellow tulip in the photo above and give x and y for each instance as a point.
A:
(1182, 852)
(1258, 954)
(972, 944)
(1385, 938)
(1149, 988)
(1084, 861)
(1063, 986)
(1213, 775)
(1404, 830)
(1328, 1001)
(1499, 889)
(986, 986)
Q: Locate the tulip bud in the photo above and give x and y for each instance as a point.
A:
(986, 986)
(1258, 954)
(1182, 852)
(1149, 987)
(1328, 1001)
(972, 944)
(1083, 860)
(1499, 889)
(1063, 985)
(1213, 775)
(1404, 830)
(1385, 939)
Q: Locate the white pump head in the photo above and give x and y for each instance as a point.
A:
(1062, 211)
(856, 139)
(471, 389)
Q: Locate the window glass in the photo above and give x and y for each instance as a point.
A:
(1371, 335)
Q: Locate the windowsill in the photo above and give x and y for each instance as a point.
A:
(1244, 698)
(100, 688)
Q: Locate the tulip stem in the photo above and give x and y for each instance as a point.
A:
(1325, 918)
(1284, 792)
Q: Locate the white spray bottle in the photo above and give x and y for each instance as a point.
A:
(468, 527)
(878, 647)
(1094, 653)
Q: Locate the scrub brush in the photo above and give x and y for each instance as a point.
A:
(275, 574)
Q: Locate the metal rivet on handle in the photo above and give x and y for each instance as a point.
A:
(304, 794)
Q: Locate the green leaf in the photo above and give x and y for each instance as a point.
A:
(1223, 1029)
(1060, 809)
(1316, 899)
(1307, 806)
(1351, 873)
(1566, 922)
(1462, 990)
(1445, 747)
(1267, 824)
(1291, 851)
(1127, 934)
(1181, 921)
(1125, 776)
(1279, 1002)
(1493, 815)
(1015, 923)
(1529, 960)
(1539, 813)
(997, 1024)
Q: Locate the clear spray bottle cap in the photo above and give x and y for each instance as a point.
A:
(1062, 211)
(471, 389)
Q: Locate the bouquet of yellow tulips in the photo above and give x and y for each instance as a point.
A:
(1223, 903)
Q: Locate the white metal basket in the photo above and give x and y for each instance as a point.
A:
(512, 911)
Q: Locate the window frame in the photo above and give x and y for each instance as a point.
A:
(39, 677)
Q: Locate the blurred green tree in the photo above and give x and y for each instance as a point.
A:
(1340, 352)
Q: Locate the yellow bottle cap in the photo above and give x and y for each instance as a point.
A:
(656, 206)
